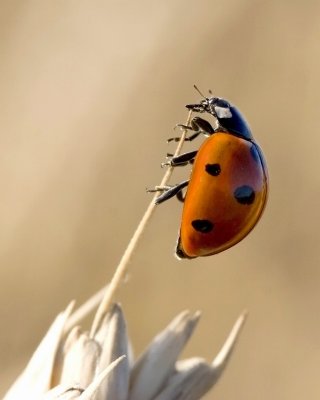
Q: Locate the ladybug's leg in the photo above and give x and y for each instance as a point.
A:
(188, 138)
(198, 125)
(181, 160)
(196, 108)
(169, 191)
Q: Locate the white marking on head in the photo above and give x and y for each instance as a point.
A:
(223, 112)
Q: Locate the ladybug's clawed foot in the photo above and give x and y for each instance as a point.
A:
(168, 191)
(183, 128)
(166, 164)
(159, 189)
(176, 139)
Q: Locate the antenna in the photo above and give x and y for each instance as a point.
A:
(196, 87)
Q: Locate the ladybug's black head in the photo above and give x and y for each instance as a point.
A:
(228, 116)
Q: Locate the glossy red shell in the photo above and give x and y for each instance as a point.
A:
(237, 164)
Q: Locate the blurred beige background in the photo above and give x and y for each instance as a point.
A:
(89, 94)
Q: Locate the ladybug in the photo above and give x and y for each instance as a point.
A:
(227, 190)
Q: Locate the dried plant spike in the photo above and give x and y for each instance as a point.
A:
(36, 378)
(114, 342)
(80, 361)
(194, 377)
(63, 392)
(89, 393)
(83, 364)
(121, 269)
(156, 364)
(224, 354)
(65, 345)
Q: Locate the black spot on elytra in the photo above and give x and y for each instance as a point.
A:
(244, 194)
(213, 169)
(255, 153)
(202, 225)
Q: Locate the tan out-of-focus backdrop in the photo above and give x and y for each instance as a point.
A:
(90, 91)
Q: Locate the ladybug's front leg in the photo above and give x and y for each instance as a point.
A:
(169, 191)
(198, 125)
(196, 107)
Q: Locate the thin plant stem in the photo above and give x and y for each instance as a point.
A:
(122, 267)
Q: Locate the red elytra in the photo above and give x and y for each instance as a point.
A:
(225, 198)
